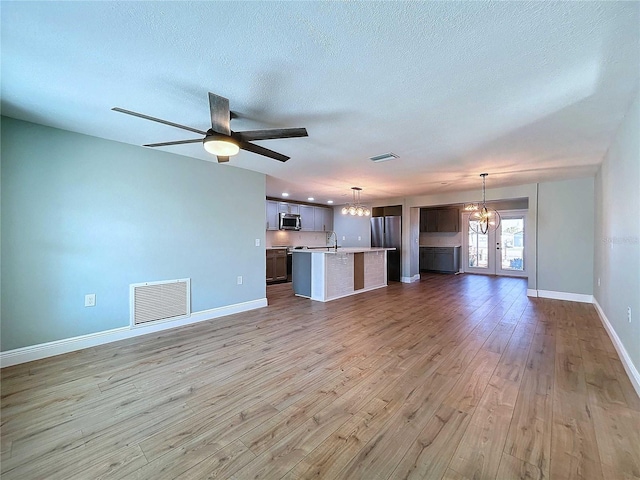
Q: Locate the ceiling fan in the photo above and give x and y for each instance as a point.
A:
(220, 140)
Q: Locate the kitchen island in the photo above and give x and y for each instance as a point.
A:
(325, 274)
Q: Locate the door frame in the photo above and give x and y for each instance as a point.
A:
(513, 273)
(494, 238)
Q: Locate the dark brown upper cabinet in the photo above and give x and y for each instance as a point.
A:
(439, 220)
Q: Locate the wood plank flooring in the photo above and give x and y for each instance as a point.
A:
(453, 377)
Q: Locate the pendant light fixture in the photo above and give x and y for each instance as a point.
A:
(483, 220)
(356, 208)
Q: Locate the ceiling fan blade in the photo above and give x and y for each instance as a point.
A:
(220, 114)
(250, 147)
(249, 135)
(177, 142)
(222, 159)
(159, 120)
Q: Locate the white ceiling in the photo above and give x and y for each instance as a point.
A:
(527, 91)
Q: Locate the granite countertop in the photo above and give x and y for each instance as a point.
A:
(332, 250)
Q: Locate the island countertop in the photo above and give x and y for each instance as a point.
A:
(327, 274)
(332, 250)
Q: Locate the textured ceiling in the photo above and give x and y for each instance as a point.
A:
(527, 91)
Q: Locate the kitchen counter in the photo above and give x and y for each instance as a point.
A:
(332, 250)
(327, 274)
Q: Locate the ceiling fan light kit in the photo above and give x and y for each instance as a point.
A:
(220, 145)
(220, 140)
(356, 208)
(485, 219)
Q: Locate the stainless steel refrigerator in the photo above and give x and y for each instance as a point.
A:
(386, 232)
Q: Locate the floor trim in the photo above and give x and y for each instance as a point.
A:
(569, 297)
(629, 367)
(58, 347)
(415, 278)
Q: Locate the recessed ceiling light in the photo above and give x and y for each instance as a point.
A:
(285, 194)
(329, 201)
(311, 199)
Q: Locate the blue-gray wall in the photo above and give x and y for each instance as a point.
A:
(85, 215)
(617, 234)
(355, 230)
(565, 236)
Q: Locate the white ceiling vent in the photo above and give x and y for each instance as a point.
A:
(384, 157)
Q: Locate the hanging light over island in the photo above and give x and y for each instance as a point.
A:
(356, 208)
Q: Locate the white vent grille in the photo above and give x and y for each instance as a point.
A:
(160, 301)
(384, 157)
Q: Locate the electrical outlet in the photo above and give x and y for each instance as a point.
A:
(629, 314)
(239, 280)
(343, 237)
(257, 242)
(359, 238)
(90, 300)
(598, 281)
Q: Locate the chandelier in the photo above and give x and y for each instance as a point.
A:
(483, 220)
(356, 208)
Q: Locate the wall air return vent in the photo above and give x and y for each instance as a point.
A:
(384, 157)
(159, 301)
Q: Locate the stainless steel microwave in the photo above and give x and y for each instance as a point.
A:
(289, 221)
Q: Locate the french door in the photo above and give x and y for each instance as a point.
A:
(499, 252)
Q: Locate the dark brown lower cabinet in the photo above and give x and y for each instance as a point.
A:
(276, 265)
(440, 259)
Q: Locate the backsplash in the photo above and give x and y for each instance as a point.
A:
(452, 239)
(294, 239)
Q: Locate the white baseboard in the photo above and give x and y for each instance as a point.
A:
(532, 292)
(630, 368)
(58, 347)
(415, 278)
(570, 297)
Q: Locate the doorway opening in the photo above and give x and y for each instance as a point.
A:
(499, 252)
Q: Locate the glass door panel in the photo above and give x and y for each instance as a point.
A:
(478, 255)
(510, 240)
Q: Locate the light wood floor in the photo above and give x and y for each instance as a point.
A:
(453, 377)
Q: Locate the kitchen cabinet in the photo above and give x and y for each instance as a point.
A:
(276, 265)
(312, 219)
(426, 258)
(307, 218)
(440, 259)
(323, 219)
(439, 220)
(272, 215)
(285, 207)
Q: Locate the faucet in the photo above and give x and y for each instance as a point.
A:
(332, 233)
